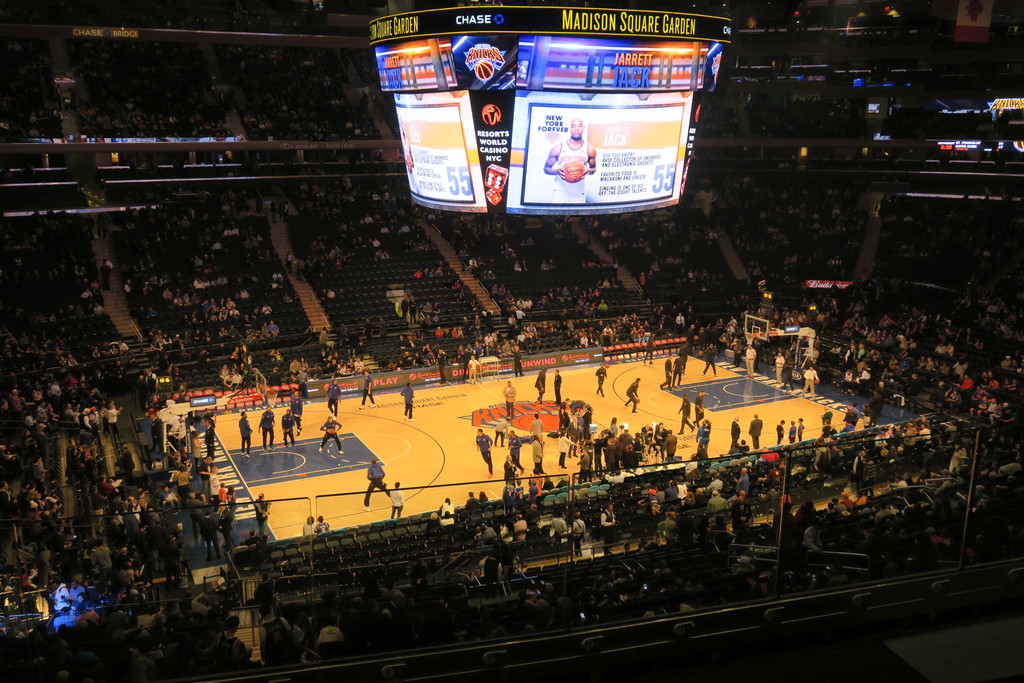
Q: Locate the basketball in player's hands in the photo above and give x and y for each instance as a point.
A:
(574, 171)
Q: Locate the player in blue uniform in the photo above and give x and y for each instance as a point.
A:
(288, 427)
(483, 444)
(267, 421)
(333, 395)
(296, 407)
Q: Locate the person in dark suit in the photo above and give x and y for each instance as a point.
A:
(541, 384)
(698, 407)
(517, 362)
(734, 432)
(667, 384)
(601, 374)
(678, 368)
(631, 394)
(649, 350)
(710, 351)
(685, 409)
(557, 383)
(441, 360)
(756, 426)
(208, 527)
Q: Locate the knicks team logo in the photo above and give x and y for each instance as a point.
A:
(491, 114)
(522, 416)
(485, 60)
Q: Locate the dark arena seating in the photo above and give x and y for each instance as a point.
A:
(52, 292)
(28, 102)
(146, 90)
(237, 284)
(312, 106)
(851, 173)
(542, 267)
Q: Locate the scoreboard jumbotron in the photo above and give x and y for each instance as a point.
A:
(547, 110)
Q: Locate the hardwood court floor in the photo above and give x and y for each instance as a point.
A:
(438, 447)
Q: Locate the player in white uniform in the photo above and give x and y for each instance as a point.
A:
(573, 148)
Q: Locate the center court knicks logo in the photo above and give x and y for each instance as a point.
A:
(521, 418)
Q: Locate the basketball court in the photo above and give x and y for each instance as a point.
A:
(438, 448)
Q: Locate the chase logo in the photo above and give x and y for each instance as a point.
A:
(499, 19)
(727, 30)
(475, 19)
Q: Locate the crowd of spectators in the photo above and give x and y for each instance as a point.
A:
(28, 103)
(295, 93)
(203, 15)
(809, 117)
(676, 256)
(52, 293)
(673, 540)
(375, 269)
(913, 123)
(795, 229)
(144, 89)
(529, 269)
(949, 241)
(224, 283)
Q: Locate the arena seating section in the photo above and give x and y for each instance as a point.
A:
(938, 333)
(948, 240)
(809, 229)
(51, 291)
(189, 287)
(141, 89)
(359, 245)
(312, 105)
(28, 103)
(542, 263)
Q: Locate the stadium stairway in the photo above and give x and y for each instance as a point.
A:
(114, 301)
(739, 271)
(455, 263)
(1006, 268)
(869, 202)
(622, 273)
(282, 243)
(743, 118)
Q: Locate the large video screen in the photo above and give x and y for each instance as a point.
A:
(573, 63)
(448, 63)
(425, 64)
(441, 155)
(581, 153)
(485, 62)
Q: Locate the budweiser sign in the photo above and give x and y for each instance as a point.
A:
(827, 284)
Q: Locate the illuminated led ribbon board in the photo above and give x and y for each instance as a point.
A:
(547, 110)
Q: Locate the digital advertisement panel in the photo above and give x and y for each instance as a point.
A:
(485, 62)
(585, 153)
(425, 64)
(493, 116)
(572, 63)
(440, 151)
(712, 62)
(569, 21)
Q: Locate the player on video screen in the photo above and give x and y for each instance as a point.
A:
(571, 160)
(409, 161)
